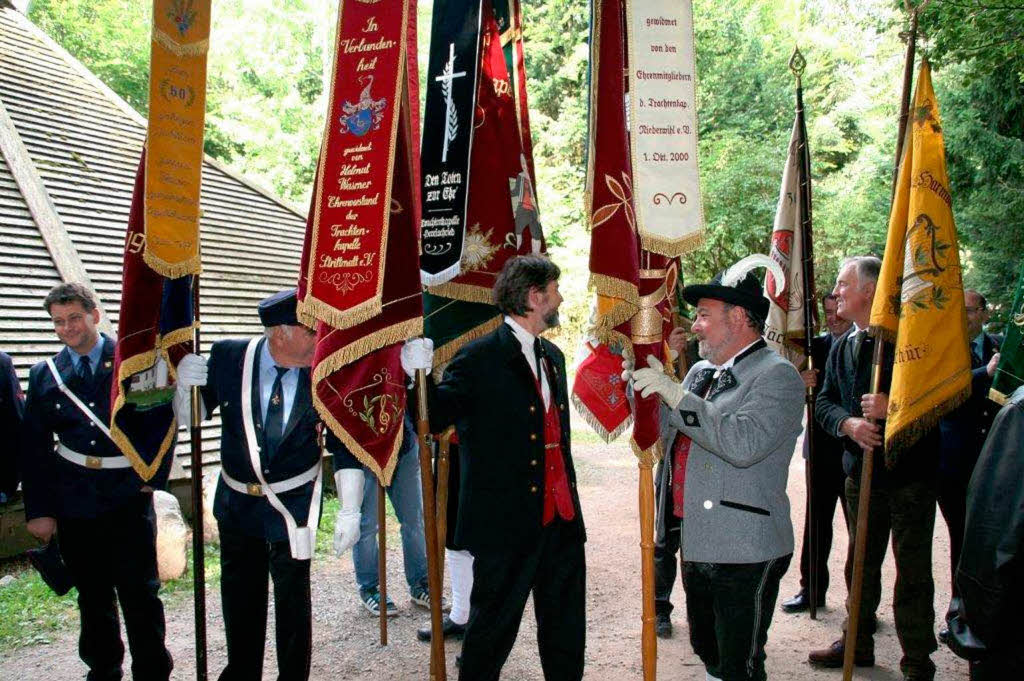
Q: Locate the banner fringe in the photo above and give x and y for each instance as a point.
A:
(196, 49)
(595, 424)
(672, 248)
(883, 332)
(901, 440)
(465, 292)
(318, 309)
(385, 474)
(652, 454)
(358, 349)
(173, 270)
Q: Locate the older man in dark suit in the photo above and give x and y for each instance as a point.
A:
(519, 511)
(267, 503)
(829, 481)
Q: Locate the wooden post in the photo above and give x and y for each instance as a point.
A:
(198, 555)
(438, 672)
(382, 562)
(649, 641)
(443, 452)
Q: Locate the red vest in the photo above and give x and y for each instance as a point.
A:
(557, 498)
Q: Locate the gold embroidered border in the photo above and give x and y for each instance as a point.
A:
(595, 424)
(469, 293)
(196, 49)
(395, 333)
(672, 247)
(383, 475)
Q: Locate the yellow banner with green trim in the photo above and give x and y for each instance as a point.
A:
(919, 301)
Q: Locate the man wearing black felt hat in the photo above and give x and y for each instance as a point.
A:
(267, 503)
(733, 423)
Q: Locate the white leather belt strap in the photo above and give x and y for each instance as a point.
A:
(301, 540)
(96, 421)
(280, 487)
(94, 462)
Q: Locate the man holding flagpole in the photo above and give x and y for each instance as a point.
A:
(519, 510)
(267, 503)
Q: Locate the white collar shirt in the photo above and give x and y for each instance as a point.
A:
(526, 340)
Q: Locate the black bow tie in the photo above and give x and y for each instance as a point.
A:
(707, 377)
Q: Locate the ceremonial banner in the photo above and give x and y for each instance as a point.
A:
(448, 135)
(1010, 373)
(154, 331)
(174, 138)
(598, 391)
(502, 211)
(663, 125)
(358, 382)
(785, 330)
(919, 302)
(351, 199)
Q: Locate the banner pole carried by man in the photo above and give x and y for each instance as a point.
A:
(359, 284)
(159, 314)
(644, 208)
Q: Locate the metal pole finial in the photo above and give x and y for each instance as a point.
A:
(797, 63)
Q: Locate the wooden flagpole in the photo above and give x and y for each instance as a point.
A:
(648, 639)
(443, 466)
(382, 563)
(864, 500)
(438, 672)
(198, 556)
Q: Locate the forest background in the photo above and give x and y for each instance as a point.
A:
(269, 61)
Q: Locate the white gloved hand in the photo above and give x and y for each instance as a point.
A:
(655, 380)
(349, 482)
(191, 370)
(627, 369)
(417, 353)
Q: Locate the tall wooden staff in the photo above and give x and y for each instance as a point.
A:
(437, 664)
(867, 466)
(198, 556)
(382, 563)
(797, 64)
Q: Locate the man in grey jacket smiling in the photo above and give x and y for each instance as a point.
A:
(736, 418)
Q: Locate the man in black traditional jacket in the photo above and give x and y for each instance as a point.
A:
(519, 511)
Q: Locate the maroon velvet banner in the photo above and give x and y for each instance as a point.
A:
(358, 383)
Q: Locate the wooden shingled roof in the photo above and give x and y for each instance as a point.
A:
(71, 147)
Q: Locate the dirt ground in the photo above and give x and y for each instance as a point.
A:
(345, 636)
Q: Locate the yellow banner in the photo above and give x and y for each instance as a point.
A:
(174, 143)
(919, 302)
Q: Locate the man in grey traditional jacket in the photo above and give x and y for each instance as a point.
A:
(736, 418)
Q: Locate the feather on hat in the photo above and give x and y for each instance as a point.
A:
(738, 285)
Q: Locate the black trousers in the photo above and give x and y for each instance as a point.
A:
(112, 559)
(729, 608)
(555, 571)
(828, 487)
(665, 567)
(246, 566)
(952, 498)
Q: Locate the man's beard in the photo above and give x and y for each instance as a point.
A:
(551, 319)
(708, 351)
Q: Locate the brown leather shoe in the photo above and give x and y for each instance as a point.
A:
(832, 657)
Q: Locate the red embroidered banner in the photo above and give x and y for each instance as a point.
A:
(351, 199)
(358, 383)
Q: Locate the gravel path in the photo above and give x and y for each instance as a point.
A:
(345, 636)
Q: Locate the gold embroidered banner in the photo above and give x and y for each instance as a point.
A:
(919, 301)
(174, 142)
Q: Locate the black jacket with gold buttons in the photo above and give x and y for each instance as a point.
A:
(489, 393)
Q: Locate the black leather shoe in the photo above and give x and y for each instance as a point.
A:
(801, 602)
(448, 628)
(663, 625)
(832, 657)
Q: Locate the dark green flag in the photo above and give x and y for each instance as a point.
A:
(1010, 373)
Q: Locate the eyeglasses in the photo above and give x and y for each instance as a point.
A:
(974, 310)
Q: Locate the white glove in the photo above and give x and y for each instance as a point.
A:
(627, 369)
(417, 353)
(349, 482)
(655, 380)
(191, 370)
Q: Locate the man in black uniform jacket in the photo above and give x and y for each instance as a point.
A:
(519, 512)
(85, 491)
(267, 503)
(12, 403)
(829, 482)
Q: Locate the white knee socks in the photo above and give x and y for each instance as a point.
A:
(460, 567)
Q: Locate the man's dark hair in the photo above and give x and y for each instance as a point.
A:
(65, 294)
(827, 297)
(518, 277)
(981, 298)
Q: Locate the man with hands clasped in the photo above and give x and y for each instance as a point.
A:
(267, 503)
(736, 418)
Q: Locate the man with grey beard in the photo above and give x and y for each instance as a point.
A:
(735, 420)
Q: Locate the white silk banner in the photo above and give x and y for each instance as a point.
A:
(663, 125)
